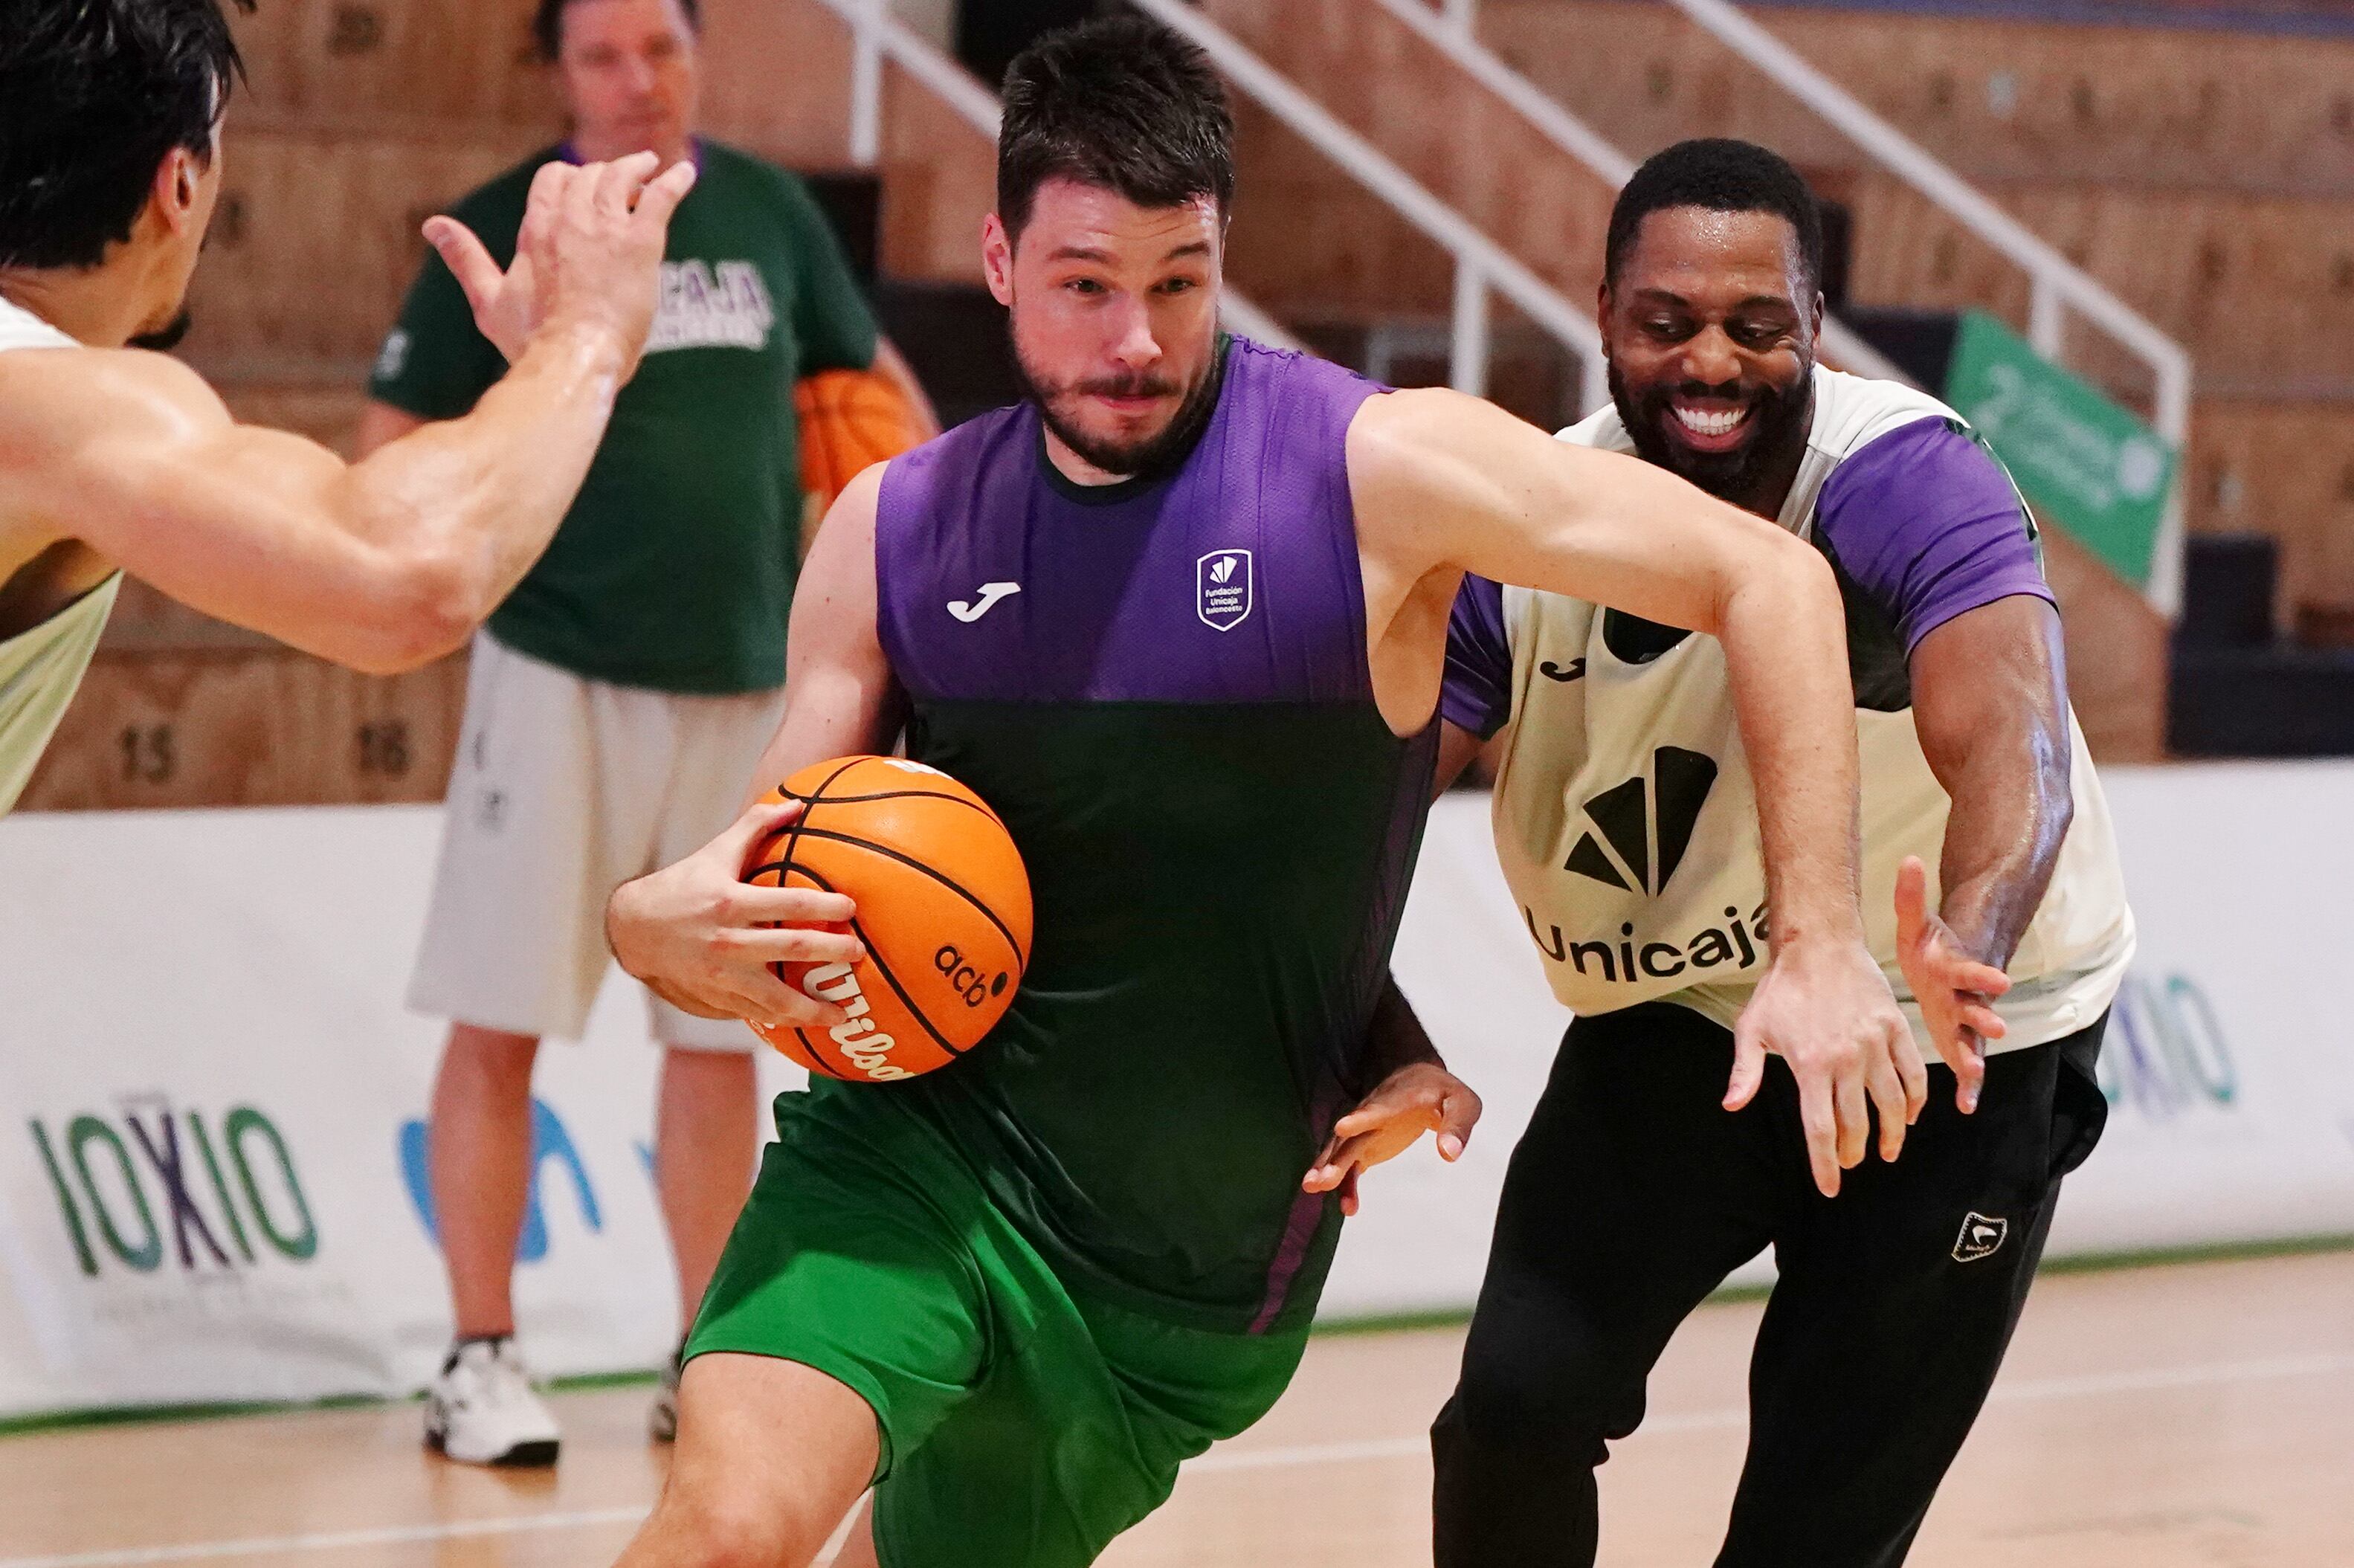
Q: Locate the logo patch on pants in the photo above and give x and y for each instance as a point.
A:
(1980, 1237)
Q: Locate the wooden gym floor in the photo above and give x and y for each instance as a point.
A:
(2194, 1413)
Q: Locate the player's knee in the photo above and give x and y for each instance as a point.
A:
(1562, 1400)
(713, 1527)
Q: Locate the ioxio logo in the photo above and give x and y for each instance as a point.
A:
(218, 1192)
(2165, 1053)
(868, 1048)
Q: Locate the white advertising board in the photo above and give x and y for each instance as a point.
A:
(210, 1162)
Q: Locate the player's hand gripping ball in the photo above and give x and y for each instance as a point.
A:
(943, 910)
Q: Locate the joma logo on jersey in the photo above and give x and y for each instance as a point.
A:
(1645, 824)
(1221, 586)
(867, 1047)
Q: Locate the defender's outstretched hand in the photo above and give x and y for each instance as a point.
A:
(1956, 991)
(1826, 1009)
(1420, 1097)
(702, 939)
(590, 253)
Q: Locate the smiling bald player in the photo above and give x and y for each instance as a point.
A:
(1180, 618)
(114, 459)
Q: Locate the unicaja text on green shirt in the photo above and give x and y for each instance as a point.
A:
(676, 568)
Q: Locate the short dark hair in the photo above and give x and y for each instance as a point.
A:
(94, 95)
(1721, 176)
(548, 24)
(1121, 102)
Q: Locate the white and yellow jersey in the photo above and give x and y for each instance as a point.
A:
(41, 667)
(1626, 816)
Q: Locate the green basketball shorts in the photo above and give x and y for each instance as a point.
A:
(1021, 1426)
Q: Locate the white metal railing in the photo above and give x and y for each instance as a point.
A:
(1481, 265)
(878, 36)
(2056, 283)
(1453, 36)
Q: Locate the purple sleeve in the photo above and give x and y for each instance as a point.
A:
(1928, 523)
(1477, 696)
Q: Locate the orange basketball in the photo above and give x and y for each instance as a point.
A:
(943, 909)
(850, 421)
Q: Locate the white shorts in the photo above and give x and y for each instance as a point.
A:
(564, 789)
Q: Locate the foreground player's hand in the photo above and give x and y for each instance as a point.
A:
(588, 255)
(702, 939)
(1420, 1097)
(1825, 1008)
(1956, 991)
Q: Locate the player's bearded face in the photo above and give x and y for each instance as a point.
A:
(1113, 310)
(1711, 347)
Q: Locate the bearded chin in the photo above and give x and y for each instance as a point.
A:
(1728, 476)
(1128, 459)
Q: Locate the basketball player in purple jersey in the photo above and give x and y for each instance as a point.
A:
(1181, 620)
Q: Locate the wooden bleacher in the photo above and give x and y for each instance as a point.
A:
(2204, 174)
(361, 118)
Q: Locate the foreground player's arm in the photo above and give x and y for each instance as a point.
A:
(1445, 483)
(391, 561)
(1413, 1094)
(696, 933)
(1931, 532)
(1989, 701)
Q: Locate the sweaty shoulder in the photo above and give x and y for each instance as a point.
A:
(66, 397)
(72, 420)
(1928, 523)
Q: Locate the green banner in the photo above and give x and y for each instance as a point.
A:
(2083, 462)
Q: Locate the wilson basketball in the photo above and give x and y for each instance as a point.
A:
(943, 910)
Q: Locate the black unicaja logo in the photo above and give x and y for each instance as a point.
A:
(1641, 828)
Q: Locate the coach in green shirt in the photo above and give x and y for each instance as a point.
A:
(619, 699)
(675, 566)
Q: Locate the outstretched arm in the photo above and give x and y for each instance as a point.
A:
(695, 932)
(391, 561)
(1990, 700)
(1445, 483)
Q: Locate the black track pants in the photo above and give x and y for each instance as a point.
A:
(1634, 1194)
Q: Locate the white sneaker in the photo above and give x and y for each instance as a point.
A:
(482, 1411)
(662, 1421)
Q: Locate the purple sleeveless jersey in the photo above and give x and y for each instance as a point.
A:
(1161, 687)
(1233, 580)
